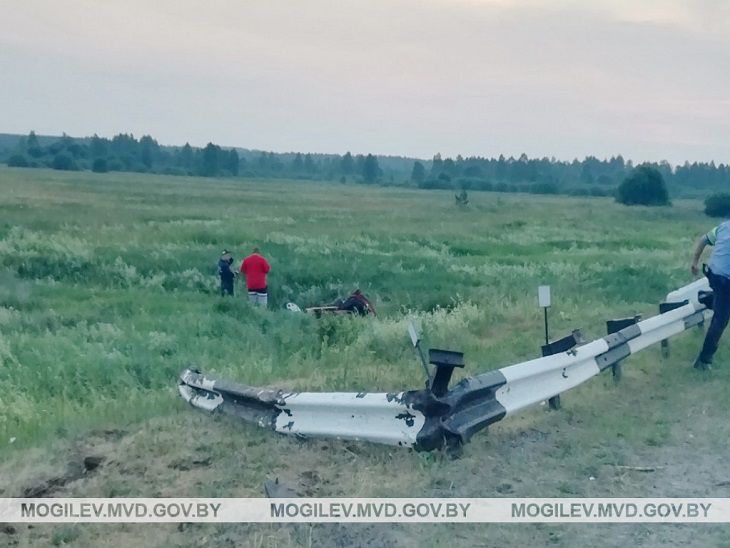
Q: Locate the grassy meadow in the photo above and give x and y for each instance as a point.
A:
(108, 289)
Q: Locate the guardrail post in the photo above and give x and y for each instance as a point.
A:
(612, 326)
(664, 345)
(556, 347)
(666, 307)
(445, 362)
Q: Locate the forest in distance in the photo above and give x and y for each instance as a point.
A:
(124, 152)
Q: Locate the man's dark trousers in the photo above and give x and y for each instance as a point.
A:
(226, 286)
(720, 315)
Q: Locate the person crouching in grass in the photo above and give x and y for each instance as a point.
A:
(718, 274)
(255, 267)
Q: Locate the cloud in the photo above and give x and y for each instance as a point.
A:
(563, 78)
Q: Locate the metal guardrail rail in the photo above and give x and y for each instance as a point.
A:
(436, 416)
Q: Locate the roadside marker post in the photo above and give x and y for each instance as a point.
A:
(543, 301)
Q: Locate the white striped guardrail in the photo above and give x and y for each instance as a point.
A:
(425, 420)
(689, 292)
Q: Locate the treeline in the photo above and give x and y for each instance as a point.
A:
(124, 153)
(360, 168)
(590, 176)
(145, 155)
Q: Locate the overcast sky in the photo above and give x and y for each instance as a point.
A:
(649, 79)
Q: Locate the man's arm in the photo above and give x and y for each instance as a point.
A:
(700, 245)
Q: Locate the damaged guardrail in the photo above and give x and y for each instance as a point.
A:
(436, 416)
(379, 417)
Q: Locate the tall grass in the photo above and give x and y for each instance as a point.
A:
(108, 286)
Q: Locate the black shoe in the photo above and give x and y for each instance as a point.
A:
(702, 365)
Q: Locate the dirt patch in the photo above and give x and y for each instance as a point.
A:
(190, 463)
(75, 470)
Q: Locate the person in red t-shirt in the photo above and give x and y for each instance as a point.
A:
(255, 267)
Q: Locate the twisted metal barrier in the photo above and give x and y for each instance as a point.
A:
(436, 416)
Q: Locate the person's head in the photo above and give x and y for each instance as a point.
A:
(256, 249)
(226, 255)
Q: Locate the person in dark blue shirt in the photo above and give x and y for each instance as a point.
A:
(227, 275)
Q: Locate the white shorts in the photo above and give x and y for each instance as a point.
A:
(259, 299)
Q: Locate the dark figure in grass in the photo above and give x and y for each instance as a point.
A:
(227, 275)
(718, 274)
(356, 303)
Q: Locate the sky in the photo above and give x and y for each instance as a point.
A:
(648, 79)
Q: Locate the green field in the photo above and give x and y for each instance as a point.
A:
(108, 290)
